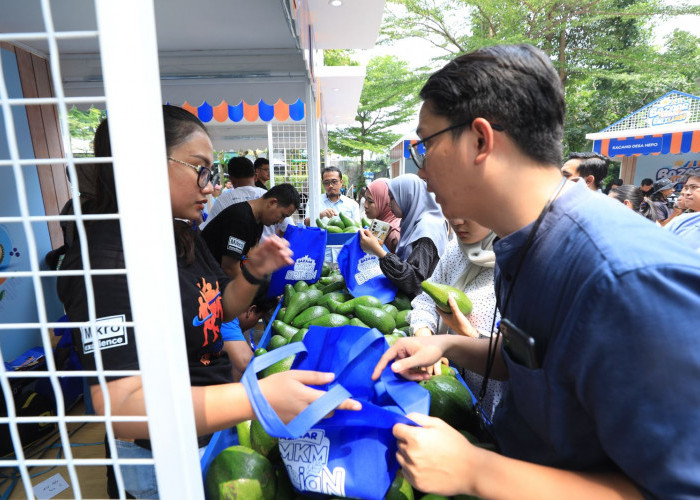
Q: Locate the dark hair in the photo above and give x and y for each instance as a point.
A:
(514, 86)
(178, 125)
(691, 172)
(260, 162)
(240, 167)
(647, 181)
(617, 182)
(591, 164)
(332, 169)
(640, 203)
(285, 194)
(262, 302)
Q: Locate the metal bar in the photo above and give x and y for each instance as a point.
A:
(31, 101)
(67, 324)
(313, 156)
(42, 35)
(76, 461)
(77, 373)
(131, 68)
(58, 218)
(24, 210)
(92, 272)
(74, 419)
(47, 161)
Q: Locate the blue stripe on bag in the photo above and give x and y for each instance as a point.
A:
(268, 329)
(272, 424)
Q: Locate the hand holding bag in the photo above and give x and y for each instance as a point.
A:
(362, 273)
(352, 453)
(308, 245)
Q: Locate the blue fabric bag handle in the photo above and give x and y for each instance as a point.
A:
(272, 424)
(391, 390)
(268, 329)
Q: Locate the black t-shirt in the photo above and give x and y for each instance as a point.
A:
(261, 185)
(232, 232)
(201, 287)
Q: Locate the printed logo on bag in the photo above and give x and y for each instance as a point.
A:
(367, 268)
(304, 269)
(306, 459)
(110, 331)
(235, 245)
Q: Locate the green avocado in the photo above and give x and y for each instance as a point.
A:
(440, 293)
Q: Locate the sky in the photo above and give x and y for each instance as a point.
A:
(419, 52)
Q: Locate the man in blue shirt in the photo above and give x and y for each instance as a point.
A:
(603, 398)
(687, 225)
(333, 203)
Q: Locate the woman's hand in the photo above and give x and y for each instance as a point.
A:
(449, 472)
(458, 321)
(414, 354)
(425, 332)
(288, 392)
(268, 256)
(370, 243)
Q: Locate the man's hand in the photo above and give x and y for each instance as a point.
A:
(370, 243)
(289, 392)
(458, 321)
(268, 256)
(414, 354)
(424, 331)
(329, 212)
(451, 471)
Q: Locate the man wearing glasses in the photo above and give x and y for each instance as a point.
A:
(602, 398)
(687, 225)
(262, 172)
(334, 203)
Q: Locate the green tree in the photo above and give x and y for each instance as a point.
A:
(339, 57)
(82, 124)
(602, 49)
(389, 98)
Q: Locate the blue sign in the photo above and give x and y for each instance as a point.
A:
(635, 146)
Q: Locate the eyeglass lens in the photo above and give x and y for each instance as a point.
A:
(205, 176)
(331, 182)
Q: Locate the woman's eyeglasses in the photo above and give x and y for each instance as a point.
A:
(419, 158)
(204, 174)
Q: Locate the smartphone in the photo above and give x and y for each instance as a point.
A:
(380, 229)
(519, 345)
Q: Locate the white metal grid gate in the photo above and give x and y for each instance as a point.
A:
(130, 67)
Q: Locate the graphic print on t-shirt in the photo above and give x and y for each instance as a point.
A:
(209, 316)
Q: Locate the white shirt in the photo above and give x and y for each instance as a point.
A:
(344, 205)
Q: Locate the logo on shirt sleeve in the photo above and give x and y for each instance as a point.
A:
(235, 245)
(110, 331)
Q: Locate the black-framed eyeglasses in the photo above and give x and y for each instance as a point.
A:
(331, 182)
(419, 158)
(204, 174)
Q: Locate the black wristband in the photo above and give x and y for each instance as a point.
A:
(252, 279)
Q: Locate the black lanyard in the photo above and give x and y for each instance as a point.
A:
(496, 332)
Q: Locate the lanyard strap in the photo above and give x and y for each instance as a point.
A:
(495, 331)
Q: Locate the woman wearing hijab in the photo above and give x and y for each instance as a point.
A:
(467, 265)
(423, 235)
(378, 206)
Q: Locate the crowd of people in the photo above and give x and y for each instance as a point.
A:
(604, 403)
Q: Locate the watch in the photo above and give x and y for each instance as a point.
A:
(252, 279)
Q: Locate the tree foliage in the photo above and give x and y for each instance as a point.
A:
(82, 124)
(389, 98)
(602, 49)
(339, 57)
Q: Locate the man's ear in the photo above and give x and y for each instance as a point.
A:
(481, 128)
(627, 203)
(589, 180)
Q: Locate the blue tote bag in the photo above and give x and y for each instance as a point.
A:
(362, 273)
(352, 453)
(309, 247)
